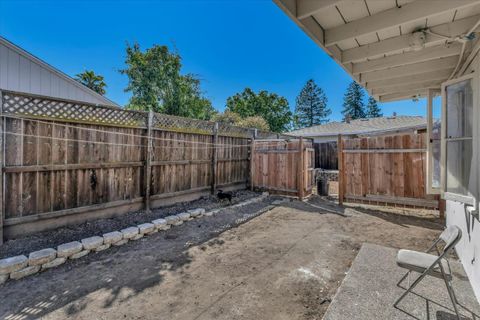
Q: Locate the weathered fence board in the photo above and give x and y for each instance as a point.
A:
(65, 161)
(326, 155)
(385, 169)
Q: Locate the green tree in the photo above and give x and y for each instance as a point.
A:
(156, 84)
(353, 104)
(373, 110)
(270, 106)
(235, 119)
(93, 81)
(311, 106)
(227, 117)
(254, 122)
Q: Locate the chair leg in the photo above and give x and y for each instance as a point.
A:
(452, 295)
(403, 278)
(414, 284)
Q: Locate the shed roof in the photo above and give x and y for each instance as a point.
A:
(363, 126)
(397, 49)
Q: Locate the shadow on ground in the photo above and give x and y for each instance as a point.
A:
(119, 273)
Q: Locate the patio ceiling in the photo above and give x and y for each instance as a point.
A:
(396, 49)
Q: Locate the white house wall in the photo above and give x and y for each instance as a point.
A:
(468, 249)
(20, 73)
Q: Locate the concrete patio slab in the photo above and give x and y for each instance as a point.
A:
(369, 291)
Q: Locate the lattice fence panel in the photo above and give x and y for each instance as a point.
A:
(233, 131)
(44, 107)
(180, 124)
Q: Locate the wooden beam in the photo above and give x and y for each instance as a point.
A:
(394, 17)
(404, 42)
(410, 57)
(402, 95)
(306, 8)
(409, 70)
(410, 79)
(430, 84)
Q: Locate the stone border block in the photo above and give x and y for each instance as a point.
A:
(184, 216)
(172, 219)
(160, 224)
(112, 237)
(4, 278)
(129, 233)
(79, 254)
(15, 275)
(146, 228)
(54, 263)
(67, 249)
(102, 247)
(41, 256)
(138, 236)
(120, 243)
(196, 212)
(92, 243)
(12, 264)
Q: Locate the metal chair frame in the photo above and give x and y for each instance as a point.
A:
(441, 256)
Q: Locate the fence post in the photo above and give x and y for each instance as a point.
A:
(252, 155)
(2, 150)
(301, 168)
(214, 157)
(341, 171)
(148, 162)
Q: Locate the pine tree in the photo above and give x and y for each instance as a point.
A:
(311, 106)
(373, 110)
(353, 102)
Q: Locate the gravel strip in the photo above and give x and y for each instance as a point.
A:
(53, 238)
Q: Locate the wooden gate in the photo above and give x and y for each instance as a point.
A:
(384, 170)
(283, 166)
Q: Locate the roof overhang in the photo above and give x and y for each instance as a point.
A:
(396, 49)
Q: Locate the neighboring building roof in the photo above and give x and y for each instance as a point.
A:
(21, 71)
(364, 126)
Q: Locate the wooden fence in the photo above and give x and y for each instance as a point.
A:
(65, 162)
(283, 166)
(385, 170)
(326, 155)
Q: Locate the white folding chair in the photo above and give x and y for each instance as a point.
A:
(432, 265)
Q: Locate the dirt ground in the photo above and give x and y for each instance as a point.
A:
(286, 263)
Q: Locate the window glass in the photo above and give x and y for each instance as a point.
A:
(436, 145)
(459, 141)
(459, 110)
(459, 159)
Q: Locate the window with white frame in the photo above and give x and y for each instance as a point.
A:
(458, 138)
(434, 136)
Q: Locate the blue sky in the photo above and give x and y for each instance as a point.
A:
(229, 44)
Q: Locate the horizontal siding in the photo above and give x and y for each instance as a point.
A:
(18, 73)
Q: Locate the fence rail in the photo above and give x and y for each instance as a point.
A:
(64, 161)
